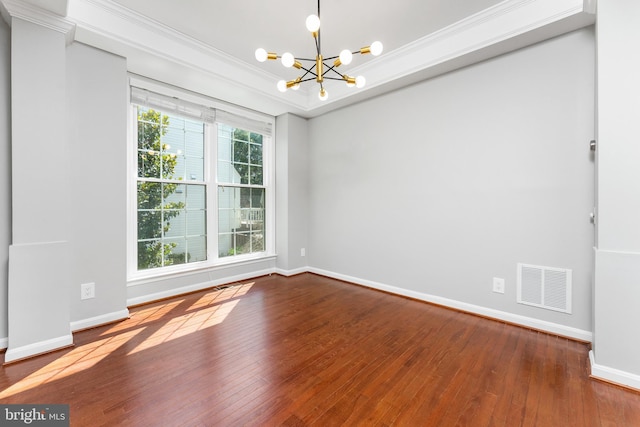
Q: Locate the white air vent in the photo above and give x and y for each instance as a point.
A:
(544, 287)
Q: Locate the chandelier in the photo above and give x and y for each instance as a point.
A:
(317, 69)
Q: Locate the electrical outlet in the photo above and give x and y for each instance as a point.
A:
(303, 252)
(87, 290)
(498, 285)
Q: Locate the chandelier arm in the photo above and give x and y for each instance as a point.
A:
(308, 72)
(317, 41)
(333, 68)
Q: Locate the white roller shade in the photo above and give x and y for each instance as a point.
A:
(172, 105)
(250, 121)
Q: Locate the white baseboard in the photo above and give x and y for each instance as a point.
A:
(99, 320)
(34, 349)
(550, 327)
(289, 273)
(613, 375)
(196, 287)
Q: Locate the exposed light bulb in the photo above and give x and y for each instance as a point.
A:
(282, 86)
(360, 81)
(376, 48)
(346, 57)
(261, 54)
(323, 95)
(288, 59)
(313, 23)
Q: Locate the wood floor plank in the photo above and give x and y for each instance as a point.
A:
(308, 350)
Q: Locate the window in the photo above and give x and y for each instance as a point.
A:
(170, 190)
(241, 192)
(201, 187)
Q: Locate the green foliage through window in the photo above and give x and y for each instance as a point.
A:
(171, 213)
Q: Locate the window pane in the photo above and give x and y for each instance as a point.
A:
(173, 140)
(226, 220)
(256, 138)
(241, 220)
(175, 251)
(256, 175)
(257, 198)
(244, 151)
(193, 144)
(175, 224)
(149, 164)
(173, 196)
(224, 148)
(197, 249)
(196, 198)
(240, 135)
(170, 149)
(193, 126)
(243, 243)
(149, 254)
(195, 169)
(180, 168)
(148, 135)
(225, 245)
(176, 123)
(225, 172)
(241, 175)
(257, 242)
(149, 195)
(256, 154)
(149, 224)
(240, 152)
(196, 225)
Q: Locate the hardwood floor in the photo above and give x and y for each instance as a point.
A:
(309, 350)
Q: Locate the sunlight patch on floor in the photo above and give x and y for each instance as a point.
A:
(187, 325)
(209, 310)
(78, 359)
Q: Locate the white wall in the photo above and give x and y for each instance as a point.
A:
(437, 188)
(617, 268)
(97, 102)
(5, 173)
(39, 261)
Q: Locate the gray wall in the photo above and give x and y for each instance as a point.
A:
(292, 192)
(439, 187)
(5, 172)
(97, 110)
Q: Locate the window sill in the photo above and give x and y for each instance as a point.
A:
(141, 278)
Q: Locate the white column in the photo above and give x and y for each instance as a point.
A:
(38, 314)
(616, 350)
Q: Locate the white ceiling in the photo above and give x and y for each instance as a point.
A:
(239, 27)
(208, 46)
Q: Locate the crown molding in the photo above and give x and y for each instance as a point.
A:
(114, 28)
(28, 12)
(476, 33)
(157, 51)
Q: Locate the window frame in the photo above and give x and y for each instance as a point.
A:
(210, 181)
